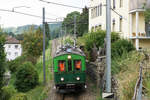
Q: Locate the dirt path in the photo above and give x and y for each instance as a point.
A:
(51, 94)
(55, 44)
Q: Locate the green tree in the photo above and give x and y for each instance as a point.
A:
(33, 44)
(26, 77)
(55, 33)
(13, 65)
(82, 25)
(147, 20)
(81, 21)
(147, 16)
(19, 37)
(2, 61)
(47, 31)
(69, 21)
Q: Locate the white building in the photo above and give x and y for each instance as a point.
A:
(13, 48)
(127, 18)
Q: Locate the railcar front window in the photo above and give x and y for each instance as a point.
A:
(77, 64)
(62, 65)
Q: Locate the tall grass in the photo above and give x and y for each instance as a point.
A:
(41, 91)
(127, 76)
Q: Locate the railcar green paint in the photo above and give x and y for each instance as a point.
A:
(69, 76)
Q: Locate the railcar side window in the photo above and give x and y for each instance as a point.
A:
(61, 65)
(77, 64)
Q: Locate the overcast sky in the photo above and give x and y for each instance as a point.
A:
(10, 19)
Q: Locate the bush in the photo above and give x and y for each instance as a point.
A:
(96, 38)
(26, 77)
(8, 92)
(120, 47)
(19, 96)
(14, 64)
(2, 62)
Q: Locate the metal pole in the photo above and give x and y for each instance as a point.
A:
(108, 46)
(61, 36)
(75, 30)
(44, 81)
(65, 30)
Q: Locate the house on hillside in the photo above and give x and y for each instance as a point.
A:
(13, 48)
(127, 18)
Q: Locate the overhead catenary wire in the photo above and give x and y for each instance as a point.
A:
(60, 4)
(78, 7)
(54, 15)
(27, 14)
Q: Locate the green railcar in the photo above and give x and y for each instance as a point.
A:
(69, 68)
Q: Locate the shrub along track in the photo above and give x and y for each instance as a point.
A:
(88, 94)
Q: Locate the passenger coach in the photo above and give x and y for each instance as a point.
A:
(69, 68)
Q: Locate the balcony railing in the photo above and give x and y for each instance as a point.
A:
(139, 4)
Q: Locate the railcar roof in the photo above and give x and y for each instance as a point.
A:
(69, 50)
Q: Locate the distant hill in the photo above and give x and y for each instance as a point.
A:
(21, 29)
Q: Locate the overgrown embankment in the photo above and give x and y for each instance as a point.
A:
(40, 91)
(129, 74)
(94, 45)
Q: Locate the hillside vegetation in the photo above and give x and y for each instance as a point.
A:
(40, 91)
(129, 74)
(21, 29)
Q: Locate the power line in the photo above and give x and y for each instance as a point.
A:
(61, 4)
(116, 12)
(53, 15)
(24, 14)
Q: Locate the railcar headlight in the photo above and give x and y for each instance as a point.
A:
(78, 78)
(62, 79)
(69, 56)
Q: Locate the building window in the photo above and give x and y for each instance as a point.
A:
(114, 4)
(120, 24)
(92, 13)
(97, 11)
(113, 27)
(100, 27)
(92, 29)
(9, 46)
(96, 28)
(121, 3)
(100, 9)
(16, 53)
(16, 46)
(9, 53)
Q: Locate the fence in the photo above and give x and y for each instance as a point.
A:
(138, 87)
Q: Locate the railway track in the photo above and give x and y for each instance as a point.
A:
(88, 94)
(76, 96)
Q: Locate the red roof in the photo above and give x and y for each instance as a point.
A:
(11, 40)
